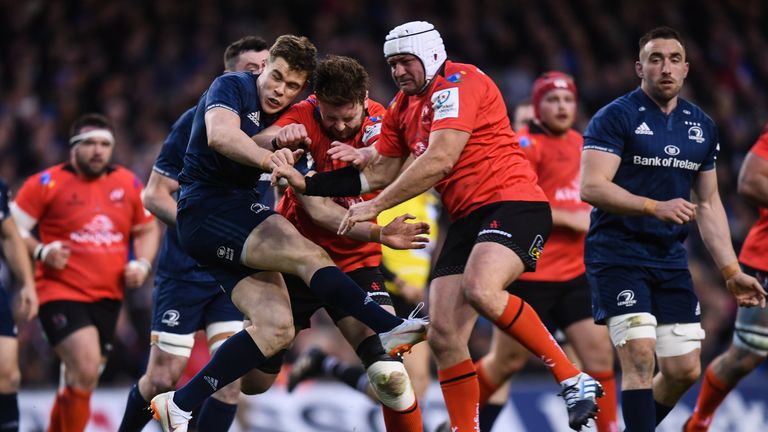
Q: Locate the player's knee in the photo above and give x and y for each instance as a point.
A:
(391, 384)
(315, 256)
(683, 374)
(256, 383)
(10, 379)
(442, 338)
(278, 334)
(475, 292)
(161, 380)
(623, 328)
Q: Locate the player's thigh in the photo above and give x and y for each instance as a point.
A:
(276, 245)
(508, 240)
(80, 352)
(451, 316)
(674, 300)
(263, 298)
(491, 266)
(619, 290)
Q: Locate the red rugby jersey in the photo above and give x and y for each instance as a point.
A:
(754, 253)
(348, 254)
(491, 167)
(556, 161)
(96, 218)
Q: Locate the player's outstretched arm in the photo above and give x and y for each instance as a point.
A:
(398, 234)
(444, 150)
(713, 226)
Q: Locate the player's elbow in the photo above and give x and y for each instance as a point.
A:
(151, 200)
(216, 138)
(748, 188)
(588, 191)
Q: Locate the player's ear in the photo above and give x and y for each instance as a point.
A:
(639, 69)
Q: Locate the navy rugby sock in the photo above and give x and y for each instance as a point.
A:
(137, 413)
(661, 411)
(488, 415)
(234, 358)
(639, 410)
(9, 412)
(216, 415)
(336, 288)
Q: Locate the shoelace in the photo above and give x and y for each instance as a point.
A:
(416, 310)
(570, 394)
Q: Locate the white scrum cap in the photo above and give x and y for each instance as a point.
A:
(420, 39)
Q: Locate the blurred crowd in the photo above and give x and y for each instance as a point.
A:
(142, 63)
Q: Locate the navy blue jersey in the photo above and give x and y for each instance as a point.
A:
(206, 169)
(172, 261)
(661, 154)
(4, 197)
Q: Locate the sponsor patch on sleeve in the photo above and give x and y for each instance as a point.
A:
(371, 131)
(445, 103)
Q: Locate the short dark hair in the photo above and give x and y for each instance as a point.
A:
(90, 119)
(660, 33)
(248, 43)
(297, 51)
(340, 80)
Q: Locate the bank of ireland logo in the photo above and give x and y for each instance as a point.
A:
(696, 134)
(626, 298)
(671, 150)
(171, 318)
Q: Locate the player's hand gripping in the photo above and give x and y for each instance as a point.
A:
(283, 157)
(136, 272)
(292, 175)
(293, 136)
(359, 212)
(358, 157)
(400, 234)
(678, 211)
(54, 254)
(746, 289)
